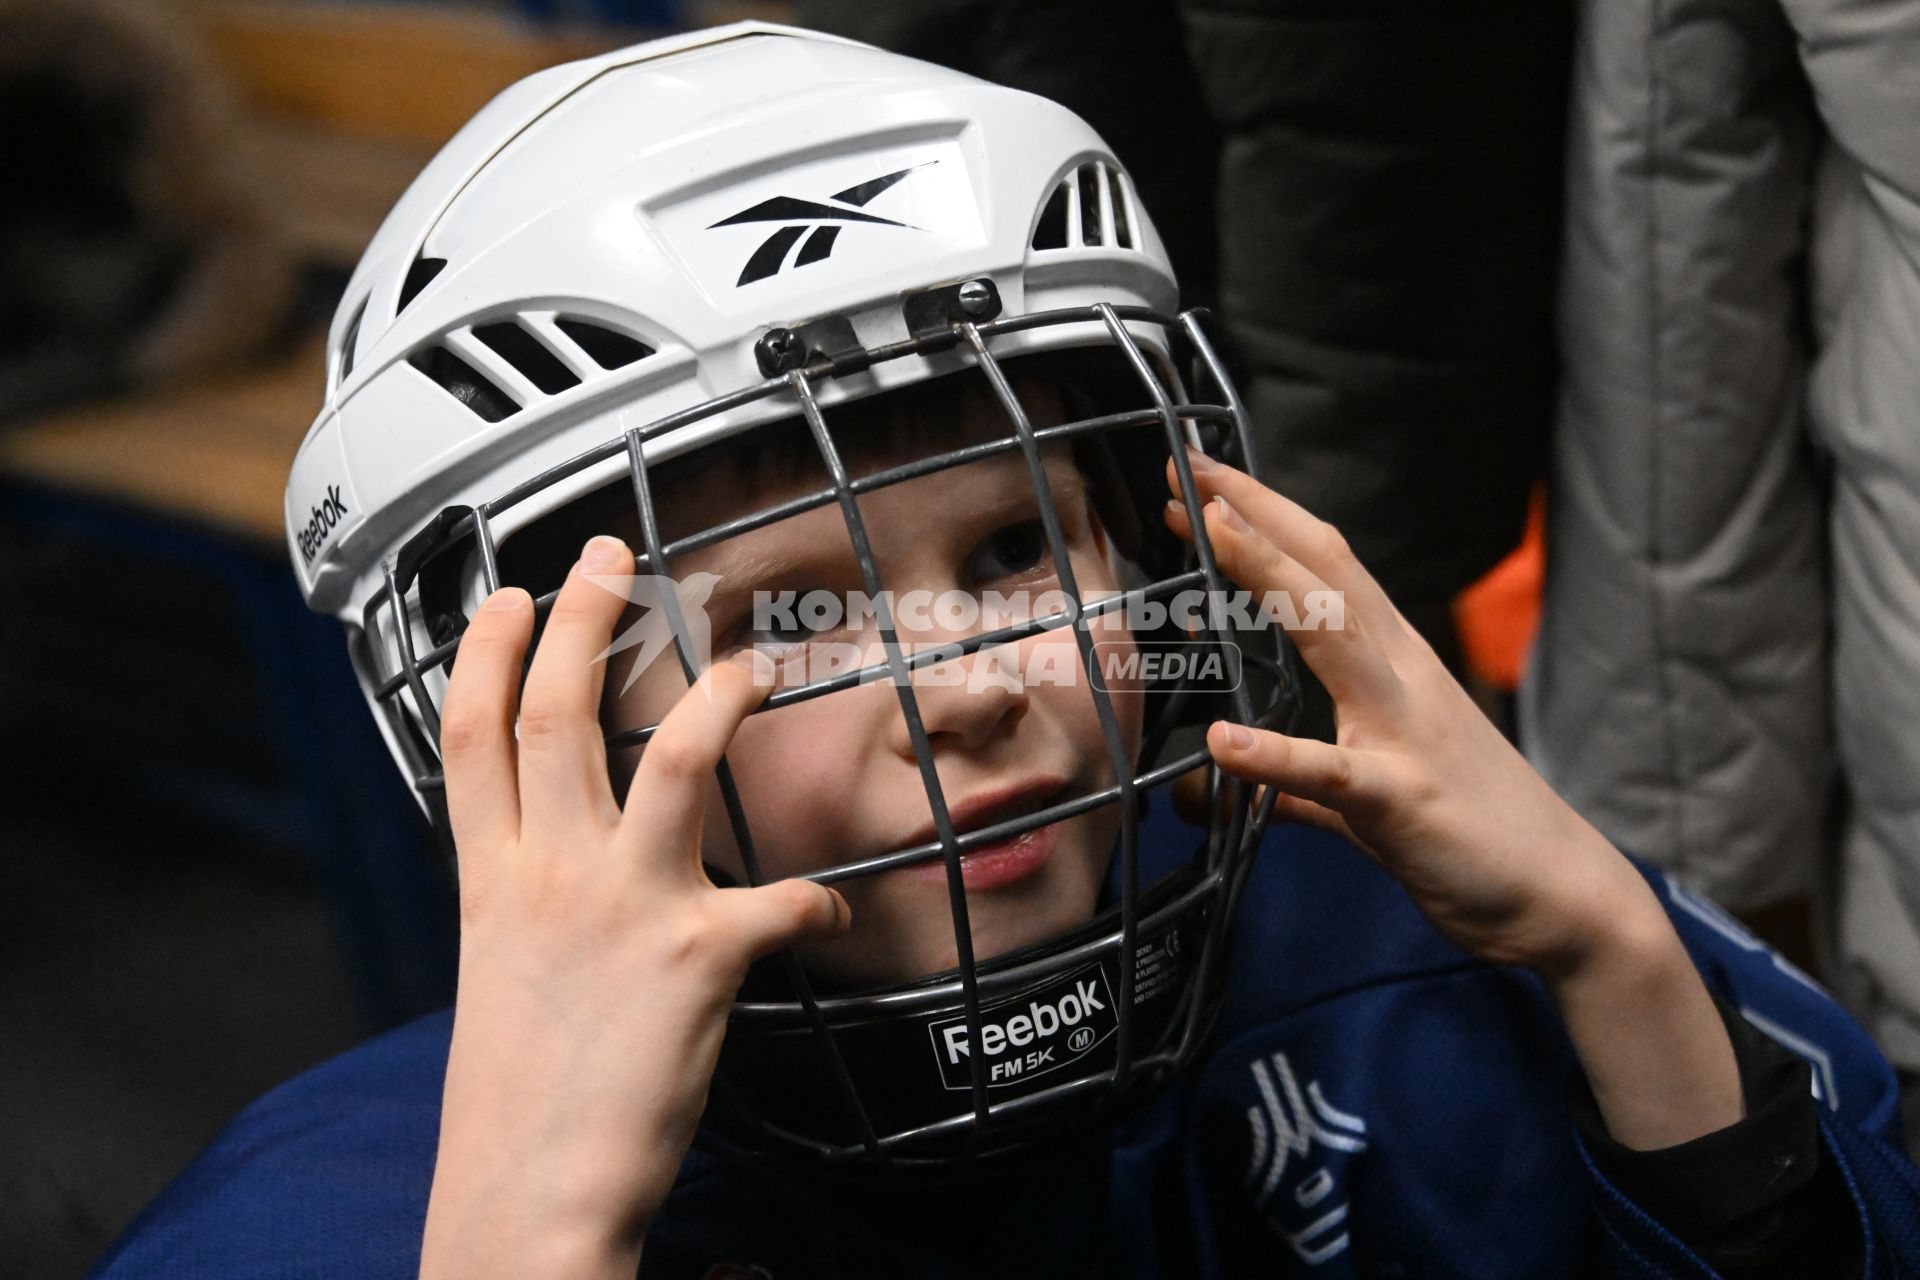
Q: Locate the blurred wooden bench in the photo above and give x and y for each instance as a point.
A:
(344, 103)
(213, 453)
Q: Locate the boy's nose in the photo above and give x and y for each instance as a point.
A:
(965, 702)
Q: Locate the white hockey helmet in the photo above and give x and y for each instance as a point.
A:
(626, 258)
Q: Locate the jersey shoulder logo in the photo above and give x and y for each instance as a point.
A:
(1300, 1147)
(824, 218)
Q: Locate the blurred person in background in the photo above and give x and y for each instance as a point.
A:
(134, 246)
(1728, 672)
(1369, 192)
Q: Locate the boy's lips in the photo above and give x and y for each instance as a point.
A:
(1005, 861)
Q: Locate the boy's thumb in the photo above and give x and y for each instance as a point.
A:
(791, 910)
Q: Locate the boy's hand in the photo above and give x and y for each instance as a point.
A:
(1423, 783)
(597, 961)
(1418, 777)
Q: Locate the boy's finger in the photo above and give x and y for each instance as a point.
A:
(563, 756)
(476, 722)
(1336, 778)
(1309, 539)
(668, 795)
(787, 911)
(1294, 809)
(1341, 652)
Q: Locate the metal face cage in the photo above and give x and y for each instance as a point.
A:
(889, 1079)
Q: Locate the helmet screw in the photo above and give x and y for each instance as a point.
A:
(976, 297)
(778, 351)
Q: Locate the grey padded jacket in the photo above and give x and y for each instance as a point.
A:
(1732, 617)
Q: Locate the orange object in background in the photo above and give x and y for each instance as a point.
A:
(1498, 615)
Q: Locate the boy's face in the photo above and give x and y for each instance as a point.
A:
(834, 779)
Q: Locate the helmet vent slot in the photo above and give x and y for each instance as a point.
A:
(463, 382)
(1122, 225)
(419, 276)
(1090, 229)
(609, 348)
(525, 353)
(1092, 208)
(1051, 231)
(348, 341)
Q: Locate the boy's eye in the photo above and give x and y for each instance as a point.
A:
(779, 636)
(1014, 550)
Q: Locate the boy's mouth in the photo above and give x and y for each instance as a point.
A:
(1005, 861)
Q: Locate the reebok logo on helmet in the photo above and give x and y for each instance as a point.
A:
(825, 220)
(327, 514)
(1030, 1034)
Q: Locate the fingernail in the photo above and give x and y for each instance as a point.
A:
(601, 552)
(1235, 736)
(1176, 506)
(1200, 461)
(506, 599)
(842, 913)
(1233, 518)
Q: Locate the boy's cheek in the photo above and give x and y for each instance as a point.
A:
(799, 783)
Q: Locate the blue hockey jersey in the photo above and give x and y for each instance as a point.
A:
(1374, 1103)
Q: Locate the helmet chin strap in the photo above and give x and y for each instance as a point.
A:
(435, 797)
(1049, 1030)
